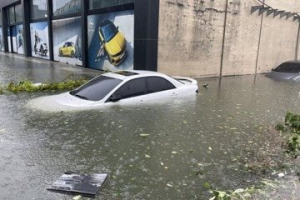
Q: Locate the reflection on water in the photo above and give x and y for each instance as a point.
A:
(183, 143)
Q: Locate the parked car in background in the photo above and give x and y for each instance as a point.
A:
(124, 87)
(289, 70)
(113, 41)
(68, 49)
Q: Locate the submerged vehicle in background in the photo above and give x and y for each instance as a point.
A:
(289, 70)
(123, 87)
(113, 42)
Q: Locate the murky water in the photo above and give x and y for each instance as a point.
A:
(190, 141)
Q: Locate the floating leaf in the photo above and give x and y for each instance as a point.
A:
(169, 185)
(147, 156)
(239, 190)
(144, 135)
(77, 197)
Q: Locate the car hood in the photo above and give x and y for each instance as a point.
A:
(60, 102)
(116, 44)
(284, 76)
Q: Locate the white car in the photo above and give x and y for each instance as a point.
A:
(123, 87)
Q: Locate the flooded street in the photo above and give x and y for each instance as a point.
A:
(190, 141)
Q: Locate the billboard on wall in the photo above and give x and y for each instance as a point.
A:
(39, 39)
(1, 40)
(19, 39)
(67, 45)
(16, 39)
(111, 41)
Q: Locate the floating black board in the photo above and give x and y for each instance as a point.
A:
(74, 183)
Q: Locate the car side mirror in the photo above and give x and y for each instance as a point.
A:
(118, 27)
(273, 69)
(115, 97)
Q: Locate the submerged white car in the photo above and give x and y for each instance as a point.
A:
(123, 87)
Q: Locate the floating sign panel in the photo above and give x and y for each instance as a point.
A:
(73, 183)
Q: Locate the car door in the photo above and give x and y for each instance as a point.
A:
(132, 91)
(158, 87)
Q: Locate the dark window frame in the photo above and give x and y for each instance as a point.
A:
(128, 82)
(146, 86)
(158, 77)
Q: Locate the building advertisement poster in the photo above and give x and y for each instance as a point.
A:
(39, 39)
(19, 39)
(111, 41)
(9, 40)
(67, 45)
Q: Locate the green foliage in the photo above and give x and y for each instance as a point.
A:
(230, 194)
(292, 128)
(239, 194)
(28, 86)
(280, 127)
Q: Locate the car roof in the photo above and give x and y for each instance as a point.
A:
(293, 61)
(129, 74)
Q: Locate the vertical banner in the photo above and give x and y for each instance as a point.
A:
(111, 41)
(19, 39)
(9, 40)
(13, 35)
(39, 39)
(67, 46)
(1, 40)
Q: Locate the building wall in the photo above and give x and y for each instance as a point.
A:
(192, 40)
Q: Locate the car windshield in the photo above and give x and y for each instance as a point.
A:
(288, 68)
(108, 31)
(96, 89)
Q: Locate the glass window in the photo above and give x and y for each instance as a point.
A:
(64, 7)
(132, 88)
(19, 13)
(288, 68)
(157, 84)
(38, 9)
(96, 89)
(94, 4)
(11, 13)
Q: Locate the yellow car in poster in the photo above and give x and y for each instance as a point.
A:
(68, 49)
(113, 41)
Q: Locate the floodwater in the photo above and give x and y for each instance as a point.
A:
(190, 141)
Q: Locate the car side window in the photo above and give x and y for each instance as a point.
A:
(157, 84)
(132, 88)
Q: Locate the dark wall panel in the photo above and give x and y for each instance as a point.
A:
(146, 34)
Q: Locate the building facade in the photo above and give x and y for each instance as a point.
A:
(99, 34)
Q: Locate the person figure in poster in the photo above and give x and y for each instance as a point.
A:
(20, 37)
(36, 39)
